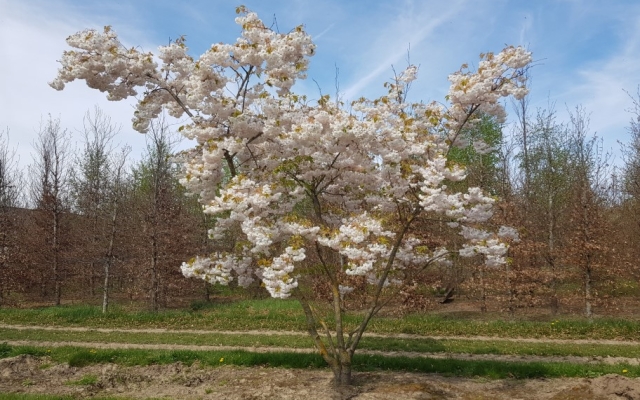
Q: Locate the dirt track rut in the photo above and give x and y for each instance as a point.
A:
(270, 349)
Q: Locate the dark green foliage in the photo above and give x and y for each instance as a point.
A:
(5, 350)
(483, 169)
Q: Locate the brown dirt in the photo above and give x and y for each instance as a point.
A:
(27, 374)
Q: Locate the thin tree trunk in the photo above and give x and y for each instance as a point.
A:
(555, 304)
(109, 262)
(154, 274)
(339, 359)
(56, 267)
(511, 304)
(587, 293)
(483, 292)
(207, 291)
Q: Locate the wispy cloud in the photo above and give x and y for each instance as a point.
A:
(601, 86)
(524, 31)
(321, 34)
(394, 41)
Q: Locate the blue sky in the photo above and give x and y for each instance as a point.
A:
(587, 52)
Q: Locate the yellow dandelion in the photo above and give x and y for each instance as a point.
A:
(624, 371)
(222, 359)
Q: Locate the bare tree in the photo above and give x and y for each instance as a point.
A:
(630, 188)
(116, 194)
(90, 186)
(10, 179)
(588, 249)
(50, 192)
(155, 182)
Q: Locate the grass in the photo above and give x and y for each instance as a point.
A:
(86, 380)
(421, 345)
(256, 314)
(287, 315)
(77, 357)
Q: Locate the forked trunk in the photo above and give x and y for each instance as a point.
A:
(342, 374)
(337, 356)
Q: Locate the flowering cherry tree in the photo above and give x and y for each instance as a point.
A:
(315, 195)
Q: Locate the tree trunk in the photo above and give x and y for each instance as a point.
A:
(342, 373)
(551, 254)
(105, 289)
(56, 267)
(154, 274)
(510, 291)
(587, 293)
(92, 278)
(483, 292)
(339, 359)
(207, 292)
(109, 262)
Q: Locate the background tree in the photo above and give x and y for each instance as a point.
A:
(50, 196)
(589, 230)
(10, 199)
(159, 202)
(90, 186)
(481, 158)
(116, 196)
(630, 182)
(547, 196)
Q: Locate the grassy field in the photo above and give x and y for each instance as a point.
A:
(419, 345)
(285, 316)
(78, 357)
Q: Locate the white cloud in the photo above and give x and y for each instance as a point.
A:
(600, 87)
(33, 39)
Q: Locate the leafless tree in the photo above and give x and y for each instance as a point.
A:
(90, 180)
(50, 192)
(117, 192)
(10, 183)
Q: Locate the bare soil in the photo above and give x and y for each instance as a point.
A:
(27, 374)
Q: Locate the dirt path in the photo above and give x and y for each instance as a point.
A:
(27, 374)
(294, 333)
(272, 349)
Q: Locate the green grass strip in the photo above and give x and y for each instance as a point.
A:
(420, 345)
(78, 357)
(287, 315)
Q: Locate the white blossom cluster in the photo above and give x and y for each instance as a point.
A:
(217, 269)
(295, 178)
